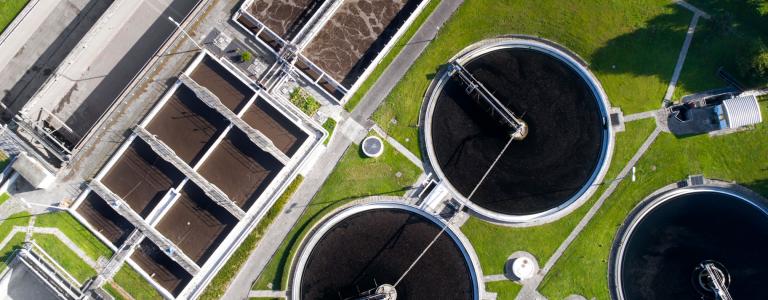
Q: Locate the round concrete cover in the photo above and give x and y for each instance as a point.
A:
(373, 146)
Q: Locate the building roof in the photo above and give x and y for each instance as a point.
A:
(742, 111)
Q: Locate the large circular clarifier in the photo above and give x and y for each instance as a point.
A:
(371, 249)
(552, 163)
(668, 243)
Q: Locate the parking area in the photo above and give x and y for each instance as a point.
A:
(196, 224)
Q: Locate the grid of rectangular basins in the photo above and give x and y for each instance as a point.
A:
(234, 164)
(348, 41)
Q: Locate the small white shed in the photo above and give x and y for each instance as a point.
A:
(741, 111)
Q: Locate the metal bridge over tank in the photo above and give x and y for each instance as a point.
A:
(496, 108)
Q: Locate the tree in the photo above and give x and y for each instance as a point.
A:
(246, 56)
(753, 63)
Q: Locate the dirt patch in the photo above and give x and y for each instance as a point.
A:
(196, 224)
(105, 219)
(240, 169)
(141, 178)
(277, 127)
(186, 124)
(232, 92)
(376, 247)
(548, 167)
(355, 35)
(160, 267)
(284, 17)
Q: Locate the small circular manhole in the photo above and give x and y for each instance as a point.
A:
(373, 146)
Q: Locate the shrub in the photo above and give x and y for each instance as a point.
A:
(246, 56)
(304, 101)
(754, 63)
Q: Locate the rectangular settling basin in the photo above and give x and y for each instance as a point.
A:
(196, 224)
(186, 124)
(277, 127)
(230, 90)
(104, 219)
(355, 35)
(141, 177)
(163, 270)
(240, 169)
(284, 17)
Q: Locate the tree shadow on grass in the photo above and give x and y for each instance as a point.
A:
(651, 50)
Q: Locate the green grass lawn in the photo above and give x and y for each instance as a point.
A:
(8, 10)
(14, 244)
(399, 45)
(494, 243)
(89, 243)
(583, 268)
(505, 290)
(18, 219)
(329, 126)
(4, 197)
(632, 47)
(134, 284)
(719, 42)
(355, 176)
(65, 257)
(219, 284)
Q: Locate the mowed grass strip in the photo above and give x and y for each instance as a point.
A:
(65, 257)
(505, 290)
(15, 243)
(89, 243)
(399, 45)
(221, 281)
(583, 269)
(135, 285)
(631, 46)
(355, 176)
(494, 243)
(17, 219)
(8, 11)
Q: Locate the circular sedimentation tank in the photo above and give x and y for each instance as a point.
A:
(376, 250)
(560, 148)
(677, 244)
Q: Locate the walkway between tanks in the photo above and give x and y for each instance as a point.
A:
(529, 290)
(270, 242)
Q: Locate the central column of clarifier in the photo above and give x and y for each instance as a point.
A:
(711, 279)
